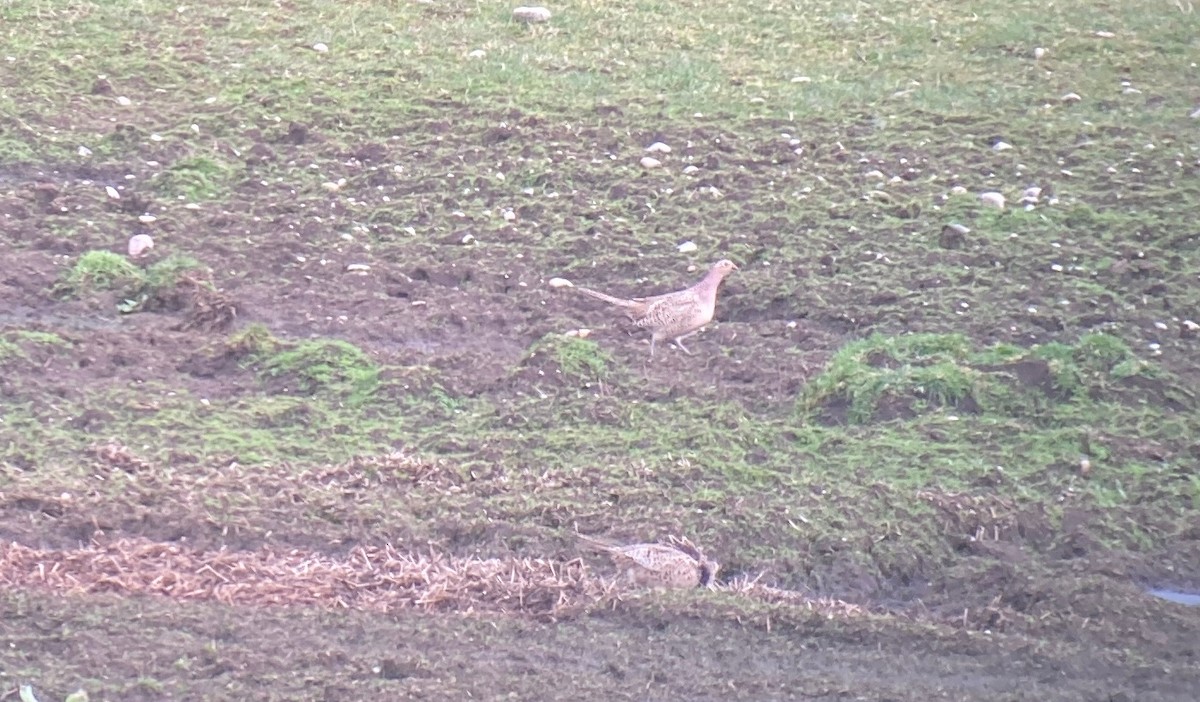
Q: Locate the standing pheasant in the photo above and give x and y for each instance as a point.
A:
(677, 565)
(673, 316)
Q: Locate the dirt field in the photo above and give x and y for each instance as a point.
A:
(330, 438)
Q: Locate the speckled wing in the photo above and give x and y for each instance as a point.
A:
(671, 311)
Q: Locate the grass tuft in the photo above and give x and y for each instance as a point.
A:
(325, 366)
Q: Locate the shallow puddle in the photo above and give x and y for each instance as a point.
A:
(1191, 599)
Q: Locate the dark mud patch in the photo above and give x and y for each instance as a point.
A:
(642, 650)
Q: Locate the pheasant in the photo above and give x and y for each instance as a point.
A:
(672, 316)
(677, 565)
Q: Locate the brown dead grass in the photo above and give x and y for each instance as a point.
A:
(368, 578)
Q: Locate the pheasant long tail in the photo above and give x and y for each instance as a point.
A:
(607, 298)
(596, 544)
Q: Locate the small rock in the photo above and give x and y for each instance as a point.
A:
(688, 170)
(357, 268)
(953, 236)
(1129, 90)
(85, 151)
(1188, 329)
(658, 148)
(467, 239)
(1039, 53)
(124, 101)
(531, 14)
(139, 244)
(1194, 115)
(958, 190)
(1001, 146)
(334, 187)
(874, 175)
(561, 283)
(147, 219)
(578, 333)
(801, 79)
(320, 48)
(1085, 466)
(687, 247)
(649, 162)
(992, 199)
(1071, 97)
(1031, 195)
(477, 54)
(1105, 35)
(112, 192)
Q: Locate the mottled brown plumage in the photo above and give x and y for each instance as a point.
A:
(675, 315)
(675, 565)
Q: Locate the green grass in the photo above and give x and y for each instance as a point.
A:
(860, 408)
(139, 288)
(324, 366)
(930, 371)
(99, 271)
(889, 86)
(579, 359)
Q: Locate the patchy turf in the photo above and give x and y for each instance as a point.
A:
(980, 437)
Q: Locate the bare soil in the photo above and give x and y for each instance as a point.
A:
(153, 595)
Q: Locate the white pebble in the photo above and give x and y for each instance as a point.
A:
(1160, 325)
(1039, 53)
(124, 101)
(658, 148)
(477, 54)
(139, 244)
(531, 14)
(320, 48)
(649, 162)
(85, 151)
(112, 192)
(1001, 146)
(801, 79)
(687, 247)
(357, 268)
(1105, 35)
(688, 170)
(561, 283)
(1057, 268)
(874, 175)
(992, 199)
(1071, 97)
(958, 190)
(147, 219)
